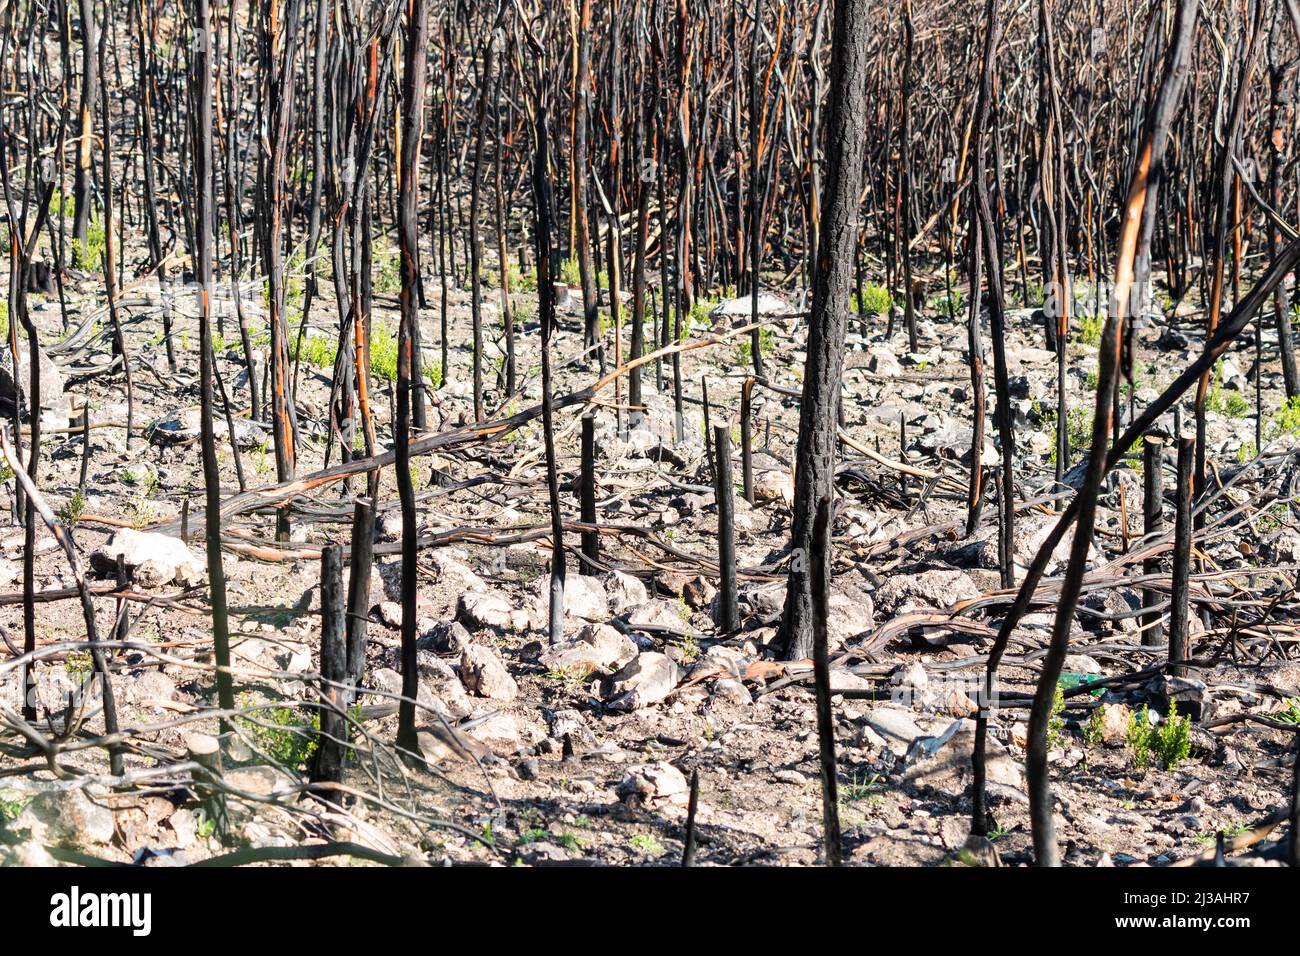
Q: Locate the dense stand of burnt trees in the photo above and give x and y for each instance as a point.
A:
(674, 149)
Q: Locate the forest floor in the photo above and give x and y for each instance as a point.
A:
(549, 768)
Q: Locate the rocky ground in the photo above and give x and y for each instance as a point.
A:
(583, 751)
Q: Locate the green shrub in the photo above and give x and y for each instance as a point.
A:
(89, 255)
(383, 356)
(647, 844)
(874, 300)
(745, 350)
(1090, 328)
(570, 272)
(318, 351)
(1034, 293)
(282, 736)
(1290, 714)
(1078, 429)
(388, 277)
(949, 305)
(1056, 721)
(1092, 733)
(1170, 742)
(1286, 420)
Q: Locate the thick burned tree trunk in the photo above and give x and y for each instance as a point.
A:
(414, 74)
(830, 308)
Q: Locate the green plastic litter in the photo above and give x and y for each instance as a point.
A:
(1069, 681)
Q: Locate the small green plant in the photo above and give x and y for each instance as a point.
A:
(383, 352)
(698, 315)
(1033, 293)
(571, 272)
(949, 304)
(90, 253)
(861, 787)
(1290, 714)
(1056, 720)
(318, 351)
(538, 835)
(1286, 420)
(281, 735)
(1089, 329)
(1078, 429)
(1169, 743)
(873, 300)
(564, 675)
(1092, 732)
(1138, 737)
(12, 803)
(997, 833)
(388, 277)
(745, 350)
(522, 281)
(204, 826)
(1208, 839)
(569, 841)
(1225, 401)
(261, 461)
(690, 650)
(78, 665)
(72, 510)
(647, 844)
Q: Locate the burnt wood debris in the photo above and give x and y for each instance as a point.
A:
(644, 431)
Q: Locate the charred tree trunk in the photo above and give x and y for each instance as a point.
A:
(830, 308)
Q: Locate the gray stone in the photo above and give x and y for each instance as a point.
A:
(656, 786)
(644, 681)
(929, 589)
(895, 726)
(52, 398)
(447, 638)
(598, 647)
(484, 674)
(943, 763)
(66, 818)
(181, 426)
(479, 611)
(152, 559)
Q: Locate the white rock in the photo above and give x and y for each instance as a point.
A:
(598, 647)
(624, 591)
(489, 610)
(644, 681)
(656, 786)
(774, 486)
(154, 559)
(484, 674)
